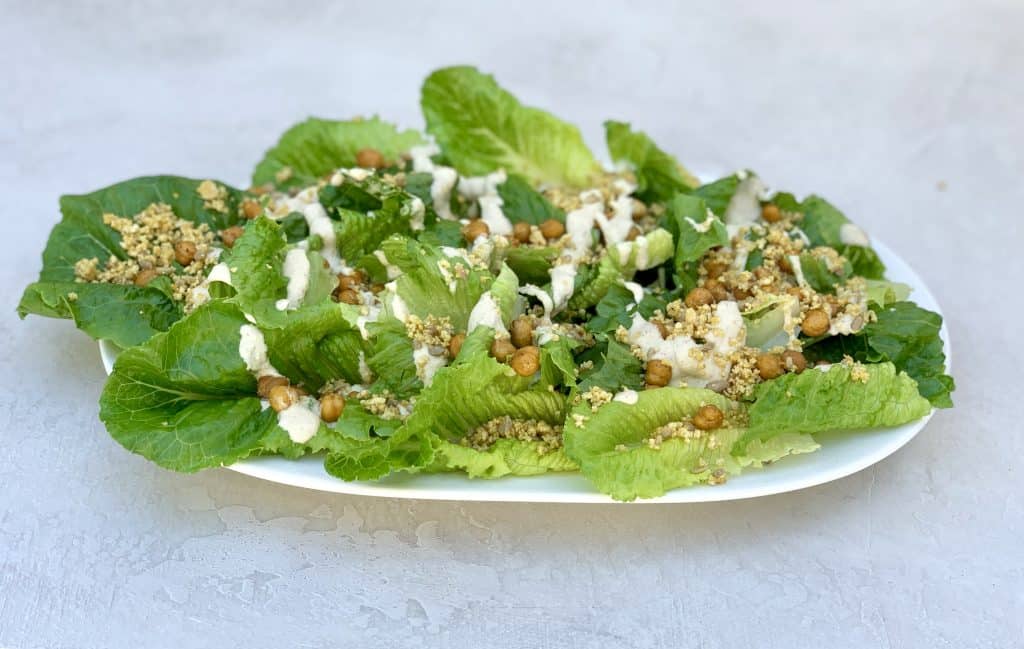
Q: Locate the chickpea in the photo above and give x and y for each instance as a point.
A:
(251, 209)
(794, 361)
(658, 373)
(260, 190)
(522, 332)
(376, 288)
(349, 282)
(145, 276)
(474, 230)
(370, 159)
(331, 407)
(282, 397)
(816, 323)
(552, 229)
(639, 209)
(521, 232)
(184, 252)
(785, 265)
(741, 293)
(708, 418)
(716, 268)
(229, 236)
(769, 366)
(502, 349)
(717, 289)
(699, 296)
(526, 361)
(348, 296)
(455, 344)
(267, 383)
(770, 213)
(795, 291)
(663, 329)
(634, 232)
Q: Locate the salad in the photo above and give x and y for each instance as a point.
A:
(485, 298)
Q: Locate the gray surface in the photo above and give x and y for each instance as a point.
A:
(871, 107)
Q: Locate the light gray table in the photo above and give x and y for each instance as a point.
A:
(908, 117)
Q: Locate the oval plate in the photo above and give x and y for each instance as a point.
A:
(841, 454)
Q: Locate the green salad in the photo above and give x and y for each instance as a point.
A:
(485, 298)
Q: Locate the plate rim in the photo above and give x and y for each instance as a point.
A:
(514, 488)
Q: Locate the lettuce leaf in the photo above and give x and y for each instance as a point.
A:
(718, 193)
(522, 203)
(659, 175)
(317, 344)
(368, 212)
(313, 148)
(615, 368)
(482, 128)
(686, 218)
(374, 458)
(505, 457)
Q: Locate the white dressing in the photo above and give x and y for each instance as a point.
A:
(296, 269)
(493, 216)
(391, 270)
(627, 396)
(636, 290)
(253, 350)
(563, 282)
(419, 211)
(745, 205)
(486, 313)
(798, 270)
(852, 235)
(321, 225)
(427, 364)
(301, 420)
(541, 295)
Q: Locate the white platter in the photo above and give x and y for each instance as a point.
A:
(841, 454)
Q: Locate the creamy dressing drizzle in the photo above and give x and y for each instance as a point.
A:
(745, 205)
(301, 420)
(391, 270)
(427, 364)
(487, 313)
(852, 235)
(296, 269)
(320, 224)
(627, 396)
(253, 350)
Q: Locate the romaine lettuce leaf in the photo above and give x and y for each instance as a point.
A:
(614, 368)
(520, 202)
(313, 148)
(505, 457)
(659, 175)
(696, 230)
(718, 193)
(368, 212)
(482, 128)
(317, 344)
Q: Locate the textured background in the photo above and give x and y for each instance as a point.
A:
(908, 115)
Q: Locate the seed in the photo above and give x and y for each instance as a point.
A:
(794, 361)
(251, 209)
(815, 323)
(552, 229)
(370, 159)
(658, 373)
(331, 407)
(699, 296)
(708, 418)
(502, 349)
(769, 366)
(267, 383)
(522, 332)
(526, 361)
(229, 236)
(144, 277)
(455, 344)
(184, 252)
(282, 397)
(474, 230)
(521, 232)
(770, 213)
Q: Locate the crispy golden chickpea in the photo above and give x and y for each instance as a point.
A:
(770, 213)
(502, 349)
(145, 276)
(282, 397)
(658, 373)
(708, 418)
(716, 268)
(331, 407)
(260, 190)
(267, 383)
(231, 235)
(552, 229)
(633, 233)
(699, 296)
(370, 159)
(349, 282)
(184, 252)
(741, 293)
(526, 361)
(251, 209)
(522, 332)
(816, 323)
(717, 289)
(794, 361)
(348, 296)
(521, 232)
(769, 366)
(639, 209)
(474, 230)
(455, 344)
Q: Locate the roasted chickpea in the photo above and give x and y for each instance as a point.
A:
(699, 296)
(770, 213)
(717, 289)
(145, 276)
(260, 190)
(474, 230)
(349, 296)
(522, 332)
(663, 329)
(716, 268)
(708, 418)
(229, 236)
(658, 373)
(352, 281)
(251, 209)
(502, 349)
(794, 361)
(769, 366)
(816, 323)
(785, 265)
(282, 397)
(526, 361)
(741, 293)
(552, 229)
(267, 383)
(455, 344)
(376, 288)
(521, 232)
(370, 159)
(795, 291)
(639, 209)
(331, 407)
(633, 233)
(184, 252)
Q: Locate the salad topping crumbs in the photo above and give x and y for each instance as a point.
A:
(409, 288)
